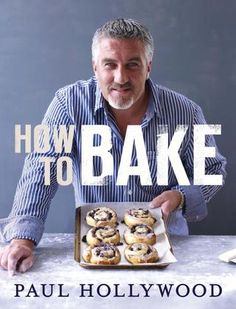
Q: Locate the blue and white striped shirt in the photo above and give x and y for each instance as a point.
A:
(83, 104)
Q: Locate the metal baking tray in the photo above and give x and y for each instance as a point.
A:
(162, 245)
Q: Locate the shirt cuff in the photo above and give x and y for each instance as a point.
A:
(195, 208)
(24, 227)
(176, 224)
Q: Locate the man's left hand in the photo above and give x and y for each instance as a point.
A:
(168, 201)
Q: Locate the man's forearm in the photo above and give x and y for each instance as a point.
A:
(21, 227)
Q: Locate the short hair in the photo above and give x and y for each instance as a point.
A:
(124, 29)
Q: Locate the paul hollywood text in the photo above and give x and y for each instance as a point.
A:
(131, 290)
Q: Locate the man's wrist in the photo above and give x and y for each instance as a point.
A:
(27, 242)
(181, 204)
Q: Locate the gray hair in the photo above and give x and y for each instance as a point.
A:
(124, 29)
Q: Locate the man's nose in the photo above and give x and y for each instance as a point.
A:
(120, 75)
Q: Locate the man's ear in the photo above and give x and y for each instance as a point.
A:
(94, 67)
(149, 68)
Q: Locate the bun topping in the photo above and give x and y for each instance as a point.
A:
(105, 251)
(141, 229)
(100, 214)
(104, 232)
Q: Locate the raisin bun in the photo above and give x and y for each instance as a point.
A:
(139, 216)
(140, 233)
(103, 234)
(101, 216)
(105, 254)
(140, 253)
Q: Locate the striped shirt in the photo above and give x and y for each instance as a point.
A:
(83, 104)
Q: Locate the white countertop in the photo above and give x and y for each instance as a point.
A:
(198, 269)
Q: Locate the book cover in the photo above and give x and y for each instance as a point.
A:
(47, 45)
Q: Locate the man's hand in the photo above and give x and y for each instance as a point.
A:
(17, 256)
(168, 201)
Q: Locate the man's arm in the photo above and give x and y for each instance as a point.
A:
(25, 224)
(195, 197)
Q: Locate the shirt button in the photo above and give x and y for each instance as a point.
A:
(130, 192)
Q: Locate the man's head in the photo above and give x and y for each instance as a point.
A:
(124, 29)
(122, 52)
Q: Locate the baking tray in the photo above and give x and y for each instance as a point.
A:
(162, 245)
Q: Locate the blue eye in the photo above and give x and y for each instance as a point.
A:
(132, 65)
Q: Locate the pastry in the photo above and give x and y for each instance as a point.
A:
(101, 216)
(138, 216)
(103, 234)
(105, 254)
(140, 233)
(140, 253)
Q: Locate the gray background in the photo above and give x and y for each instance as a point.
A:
(45, 45)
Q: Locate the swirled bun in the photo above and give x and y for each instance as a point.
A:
(139, 216)
(101, 216)
(140, 233)
(103, 234)
(140, 253)
(105, 254)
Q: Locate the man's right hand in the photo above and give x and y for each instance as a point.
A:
(17, 256)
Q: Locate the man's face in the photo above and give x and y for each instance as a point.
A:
(121, 68)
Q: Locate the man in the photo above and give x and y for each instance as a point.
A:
(120, 94)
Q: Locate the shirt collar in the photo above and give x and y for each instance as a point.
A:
(154, 105)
